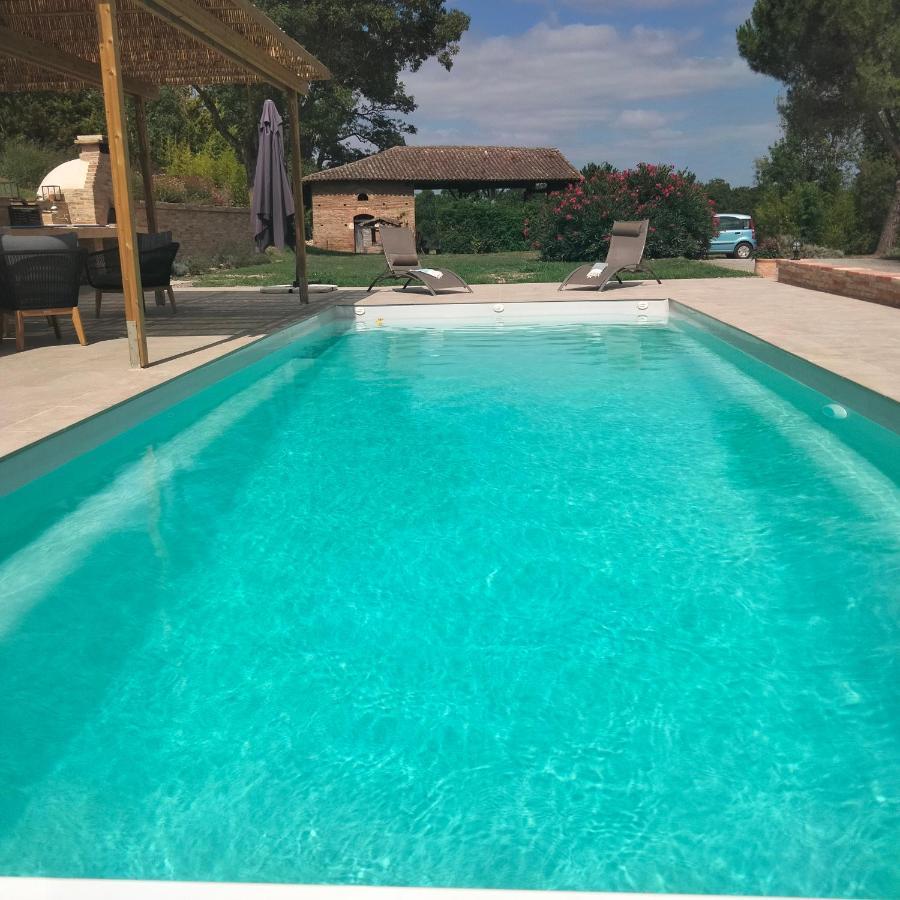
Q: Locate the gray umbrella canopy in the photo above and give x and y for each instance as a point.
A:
(272, 212)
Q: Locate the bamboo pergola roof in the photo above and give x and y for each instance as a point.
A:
(163, 42)
(134, 47)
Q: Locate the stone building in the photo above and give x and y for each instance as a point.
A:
(348, 202)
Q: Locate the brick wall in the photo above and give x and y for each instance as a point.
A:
(334, 206)
(203, 230)
(92, 202)
(862, 284)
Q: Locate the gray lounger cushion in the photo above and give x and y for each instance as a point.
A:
(405, 261)
(34, 243)
(627, 229)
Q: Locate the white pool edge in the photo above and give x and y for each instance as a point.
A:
(102, 889)
(538, 312)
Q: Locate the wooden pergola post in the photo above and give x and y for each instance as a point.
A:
(297, 186)
(114, 102)
(140, 123)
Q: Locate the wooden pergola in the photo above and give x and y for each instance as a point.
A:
(133, 47)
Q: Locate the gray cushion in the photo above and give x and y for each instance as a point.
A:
(405, 261)
(627, 229)
(30, 243)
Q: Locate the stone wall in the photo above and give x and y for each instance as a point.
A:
(862, 284)
(203, 231)
(336, 204)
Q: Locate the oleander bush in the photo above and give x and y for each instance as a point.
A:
(576, 223)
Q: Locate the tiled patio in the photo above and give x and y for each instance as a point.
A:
(52, 385)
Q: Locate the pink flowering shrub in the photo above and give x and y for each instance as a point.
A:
(575, 223)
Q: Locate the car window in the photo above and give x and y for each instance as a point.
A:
(729, 223)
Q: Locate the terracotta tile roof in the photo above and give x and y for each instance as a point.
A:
(448, 165)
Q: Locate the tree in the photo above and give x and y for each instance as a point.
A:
(823, 160)
(732, 199)
(52, 120)
(367, 44)
(841, 64)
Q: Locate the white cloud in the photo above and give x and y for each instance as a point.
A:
(549, 80)
(577, 87)
(642, 119)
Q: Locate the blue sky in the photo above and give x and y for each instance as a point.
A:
(617, 80)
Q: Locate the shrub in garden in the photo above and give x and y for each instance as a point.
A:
(782, 247)
(189, 189)
(215, 163)
(480, 226)
(575, 224)
(26, 163)
(449, 224)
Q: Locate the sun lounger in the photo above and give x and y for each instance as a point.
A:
(403, 263)
(626, 254)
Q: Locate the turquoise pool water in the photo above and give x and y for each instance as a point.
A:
(577, 607)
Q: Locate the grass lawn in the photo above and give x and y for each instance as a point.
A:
(350, 270)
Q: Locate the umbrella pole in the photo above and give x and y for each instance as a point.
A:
(299, 213)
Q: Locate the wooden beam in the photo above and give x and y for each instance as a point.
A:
(209, 30)
(140, 121)
(297, 186)
(52, 59)
(114, 102)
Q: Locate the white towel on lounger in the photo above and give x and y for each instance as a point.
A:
(597, 271)
(432, 273)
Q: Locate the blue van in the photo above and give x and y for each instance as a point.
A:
(735, 235)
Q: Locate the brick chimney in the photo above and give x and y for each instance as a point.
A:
(91, 203)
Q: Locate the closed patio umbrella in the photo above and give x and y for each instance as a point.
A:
(272, 211)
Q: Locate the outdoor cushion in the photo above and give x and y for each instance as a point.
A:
(405, 261)
(627, 229)
(32, 243)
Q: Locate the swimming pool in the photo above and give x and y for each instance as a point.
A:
(582, 606)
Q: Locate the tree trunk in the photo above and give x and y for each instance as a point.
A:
(888, 239)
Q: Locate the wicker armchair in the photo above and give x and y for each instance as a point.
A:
(40, 276)
(156, 253)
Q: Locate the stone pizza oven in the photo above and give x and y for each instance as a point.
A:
(84, 184)
(349, 201)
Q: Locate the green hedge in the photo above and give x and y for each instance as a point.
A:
(448, 224)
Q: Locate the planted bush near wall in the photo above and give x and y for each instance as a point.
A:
(576, 223)
(189, 189)
(213, 170)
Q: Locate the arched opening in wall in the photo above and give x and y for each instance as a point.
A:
(364, 233)
(362, 198)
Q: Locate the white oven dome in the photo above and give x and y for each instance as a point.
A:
(71, 175)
